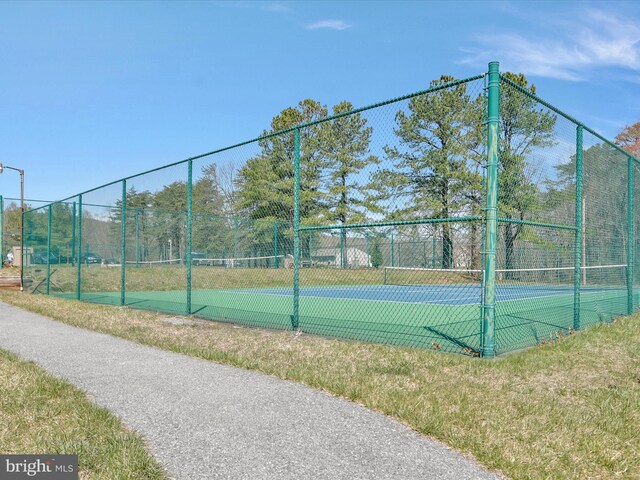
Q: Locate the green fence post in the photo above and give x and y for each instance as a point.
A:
(393, 260)
(137, 238)
(488, 325)
(275, 245)
(49, 215)
(341, 251)
(433, 252)
(235, 242)
(630, 236)
(310, 248)
(123, 243)
(73, 235)
(295, 318)
(415, 262)
(22, 245)
(578, 253)
(189, 228)
(79, 260)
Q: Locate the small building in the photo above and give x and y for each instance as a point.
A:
(331, 257)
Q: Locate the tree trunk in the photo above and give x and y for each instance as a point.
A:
(342, 209)
(447, 246)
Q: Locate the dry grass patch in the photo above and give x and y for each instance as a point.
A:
(565, 410)
(41, 414)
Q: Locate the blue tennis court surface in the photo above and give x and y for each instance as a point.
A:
(459, 294)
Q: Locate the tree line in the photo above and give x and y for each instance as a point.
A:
(428, 166)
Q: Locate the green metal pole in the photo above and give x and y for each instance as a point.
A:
(630, 236)
(393, 260)
(275, 245)
(487, 341)
(295, 319)
(49, 216)
(311, 248)
(235, 242)
(368, 244)
(137, 238)
(123, 244)
(73, 235)
(341, 251)
(189, 229)
(578, 253)
(79, 274)
(415, 252)
(424, 253)
(433, 252)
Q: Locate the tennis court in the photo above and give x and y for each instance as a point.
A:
(440, 316)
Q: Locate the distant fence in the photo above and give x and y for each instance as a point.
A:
(10, 231)
(470, 217)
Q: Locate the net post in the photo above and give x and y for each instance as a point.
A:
(189, 231)
(296, 230)
(487, 340)
(49, 217)
(630, 235)
(123, 243)
(79, 259)
(578, 253)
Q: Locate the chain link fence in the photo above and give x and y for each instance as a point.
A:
(471, 217)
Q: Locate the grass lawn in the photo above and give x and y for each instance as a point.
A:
(569, 409)
(41, 414)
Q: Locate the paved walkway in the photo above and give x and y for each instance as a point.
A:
(205, 421)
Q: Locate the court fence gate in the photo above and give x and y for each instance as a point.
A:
(470, 217)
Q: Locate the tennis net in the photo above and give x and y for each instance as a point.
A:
(269, 261)
(562, 278)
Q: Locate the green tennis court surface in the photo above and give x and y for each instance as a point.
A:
(443, 317)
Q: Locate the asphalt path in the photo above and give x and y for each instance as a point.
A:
(203, 420)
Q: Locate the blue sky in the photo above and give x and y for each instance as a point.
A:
(91, 92)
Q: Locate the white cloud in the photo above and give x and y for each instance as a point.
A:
(573, 50)
(277, 7)
(330, 24)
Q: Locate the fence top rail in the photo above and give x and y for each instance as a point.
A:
(290, 129)
(27, 200)
(390, 223)
(533, 96)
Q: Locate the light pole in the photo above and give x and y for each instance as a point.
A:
(21, 172)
